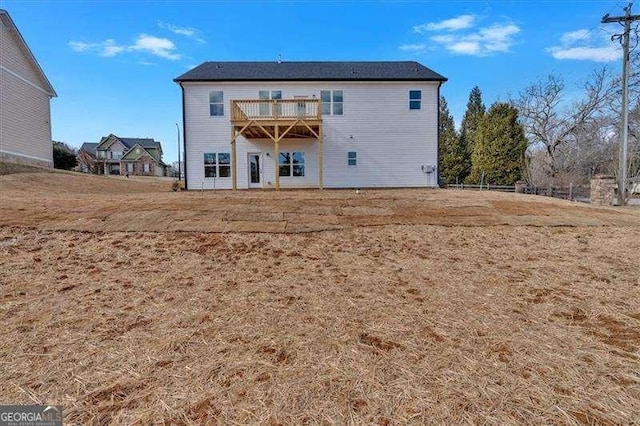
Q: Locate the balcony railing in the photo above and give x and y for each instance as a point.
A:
(276, 109)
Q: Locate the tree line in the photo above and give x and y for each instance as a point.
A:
(542, 135)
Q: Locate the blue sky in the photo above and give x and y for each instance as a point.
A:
(112, 63)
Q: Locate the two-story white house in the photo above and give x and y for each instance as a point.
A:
(310, 124)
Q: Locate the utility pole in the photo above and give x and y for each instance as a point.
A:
(624, 141)
(179, 159)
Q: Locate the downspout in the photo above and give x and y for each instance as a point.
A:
(438, 136)
(184, 140)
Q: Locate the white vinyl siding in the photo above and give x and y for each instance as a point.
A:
(392, 142)
(25, 117)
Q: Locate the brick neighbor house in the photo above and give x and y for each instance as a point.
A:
(115, 155)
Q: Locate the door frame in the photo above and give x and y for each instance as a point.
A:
(260, 170)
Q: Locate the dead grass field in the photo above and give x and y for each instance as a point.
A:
(128, 303)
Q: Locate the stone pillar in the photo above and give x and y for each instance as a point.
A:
(603, 190)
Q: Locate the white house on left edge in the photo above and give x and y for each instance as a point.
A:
(25, 92)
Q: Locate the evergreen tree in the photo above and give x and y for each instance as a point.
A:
(470, 124)
(64, 157)
(452, 154)
(500, 147)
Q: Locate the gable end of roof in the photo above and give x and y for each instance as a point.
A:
(6, 18)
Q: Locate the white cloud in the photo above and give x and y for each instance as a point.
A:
(157, 46)
(413, 47)
(183, 31)
(574, 36)
(581, 45)
(596, 54)
(110, 48)
(460, 35)
(498, 37)
(162, 47)
(105, 48)
(466, 47)
(81, 46)
(483, 42)
(454, 24)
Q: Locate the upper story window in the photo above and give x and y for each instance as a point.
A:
(415, 99)
(332, 102)
(265, 108)
(115, 155)
(216, 103)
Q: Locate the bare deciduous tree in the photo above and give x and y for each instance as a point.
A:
(551, 123)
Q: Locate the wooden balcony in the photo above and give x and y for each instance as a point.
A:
(265, 110)
(277, 120)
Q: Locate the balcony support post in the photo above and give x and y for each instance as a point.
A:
(320, 158)
(276, 156)
(234, 162)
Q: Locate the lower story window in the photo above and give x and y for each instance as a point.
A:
(291, 164)
(217, 164)
(131, 167)
(147, 167)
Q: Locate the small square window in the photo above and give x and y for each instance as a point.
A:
(352, 158)
(415, 99)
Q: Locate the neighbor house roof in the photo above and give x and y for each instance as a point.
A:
(6, 19)
(134, 156)
(310, 71)
(143, 142)
(129, 143)
(89, 148)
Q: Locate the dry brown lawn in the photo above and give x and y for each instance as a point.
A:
(128, 303)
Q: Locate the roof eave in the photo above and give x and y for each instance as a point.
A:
(221, 80)
(51, 91)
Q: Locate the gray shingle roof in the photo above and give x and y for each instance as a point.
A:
(144, 142)
(89, 147)
(310, 71)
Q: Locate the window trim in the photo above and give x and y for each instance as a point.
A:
(291, 164)
(216, 165)
(352, 160)
(332, 102)
(221, 103)
(413, 99)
